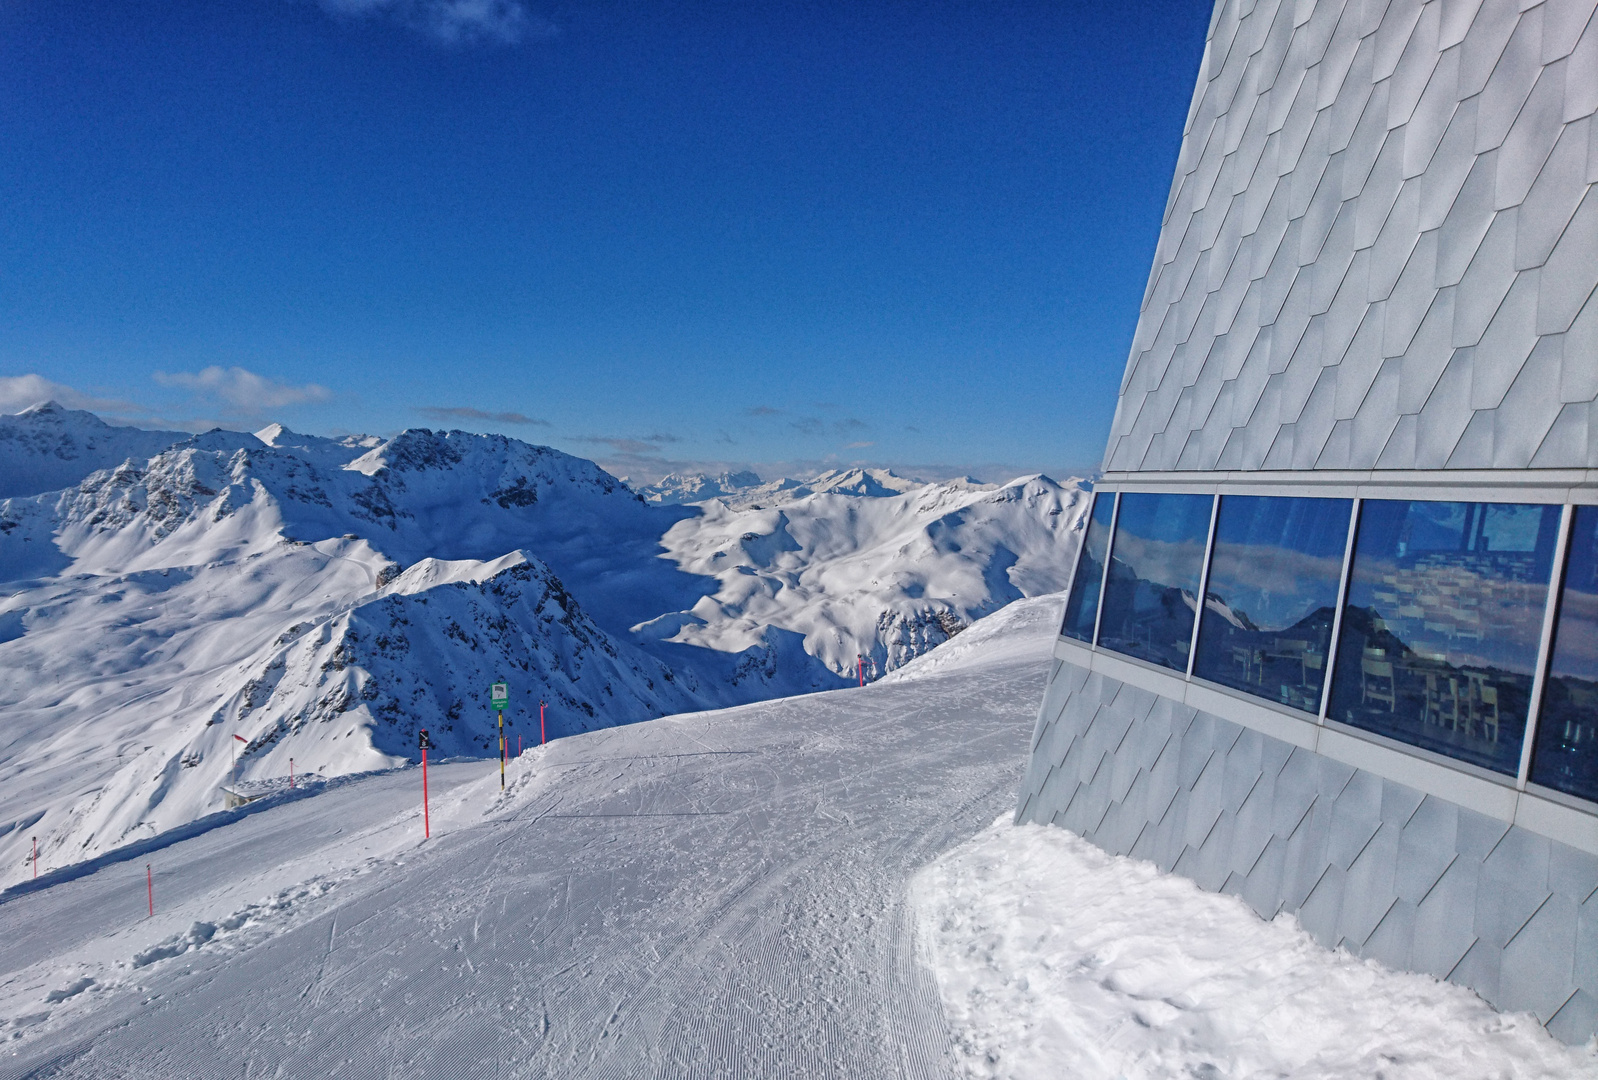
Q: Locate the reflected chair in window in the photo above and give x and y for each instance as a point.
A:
(1442, 701)
(1377, 683)
(1483, 705)
(1249, 659)
(1581, 720)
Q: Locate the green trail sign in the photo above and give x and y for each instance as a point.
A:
(499, 696)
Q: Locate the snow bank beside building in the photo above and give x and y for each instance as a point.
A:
(1055, 958)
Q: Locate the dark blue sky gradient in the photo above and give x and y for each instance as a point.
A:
(689, 232)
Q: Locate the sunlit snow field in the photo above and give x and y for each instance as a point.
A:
(802, 887)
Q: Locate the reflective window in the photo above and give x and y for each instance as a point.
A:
(1566, 756)
(1153, 584)
(1439, 634)
(1271, 595)
(1082, 607)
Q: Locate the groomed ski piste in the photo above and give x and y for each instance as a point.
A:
(823, 885)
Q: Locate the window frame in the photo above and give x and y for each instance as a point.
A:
(1545, 652)
(1358, 494)
(1204, 572)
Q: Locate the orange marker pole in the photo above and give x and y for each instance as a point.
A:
(149, 884)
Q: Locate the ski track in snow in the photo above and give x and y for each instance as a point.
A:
(714, 894)
(800, 887)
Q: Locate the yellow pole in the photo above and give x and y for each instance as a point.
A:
(501, 749)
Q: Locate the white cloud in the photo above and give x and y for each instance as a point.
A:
(454, 22)
(17, 392)
(244, 390)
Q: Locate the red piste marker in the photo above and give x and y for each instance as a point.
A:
(291, 774)
(36, 858)
(149, 884)
(427, 823)
(542, 739)
(860, 665)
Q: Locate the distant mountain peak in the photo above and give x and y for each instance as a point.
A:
(745, 489)
(48, 447)
(676, 488)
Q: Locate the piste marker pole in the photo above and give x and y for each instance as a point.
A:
(542, 739)
(36, 858)
(499, 700)
(427, 823)
(149, 885)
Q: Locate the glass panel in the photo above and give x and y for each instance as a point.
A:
(1566, 756)
(1082, 607)
(1439, 637)
(1271, 595)
(1153, 585)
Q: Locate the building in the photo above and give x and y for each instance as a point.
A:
(1360, 421)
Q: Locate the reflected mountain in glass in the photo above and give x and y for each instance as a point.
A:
(1271, 595)
(1566, 756)
(1439, 636)
(1156, 562)
(1082, 606)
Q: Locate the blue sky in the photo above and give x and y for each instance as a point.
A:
(783, 234)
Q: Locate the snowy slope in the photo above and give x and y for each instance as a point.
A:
(324, 598)
(882, 573)
(48, 447)
(740, 893)
(225, 588)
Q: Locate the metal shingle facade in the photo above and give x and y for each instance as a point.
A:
(1379, 253)
(1364, 863)
(1380, 246)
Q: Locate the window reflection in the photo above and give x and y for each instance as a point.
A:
(1153, 584)
(1272, 591)
(1566, 756)
(1440, 631)
(1082, 607)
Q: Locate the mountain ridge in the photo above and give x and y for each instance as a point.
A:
(325, 598)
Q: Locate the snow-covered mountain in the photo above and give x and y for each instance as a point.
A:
(674, 489)
(49, 447)
(746, 490)
(322, 599)
(856, 568)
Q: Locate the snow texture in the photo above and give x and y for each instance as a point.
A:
(736, 893)
(1056, 958)
(716, 894)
